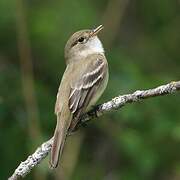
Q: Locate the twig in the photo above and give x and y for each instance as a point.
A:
(25, 167)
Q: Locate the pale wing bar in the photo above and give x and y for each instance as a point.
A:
(80, 90)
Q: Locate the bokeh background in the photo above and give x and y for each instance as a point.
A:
(142, 43)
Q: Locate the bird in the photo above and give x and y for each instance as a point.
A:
(83, 82)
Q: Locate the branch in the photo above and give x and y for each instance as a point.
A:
(25, 167)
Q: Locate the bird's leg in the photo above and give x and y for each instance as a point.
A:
(94, 111)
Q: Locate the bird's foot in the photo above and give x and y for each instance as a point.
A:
(94, 111)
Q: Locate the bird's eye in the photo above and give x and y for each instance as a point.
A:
(81, 39)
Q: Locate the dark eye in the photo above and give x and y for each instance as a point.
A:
(81, 39)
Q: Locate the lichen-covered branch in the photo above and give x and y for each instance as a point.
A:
(25, 167)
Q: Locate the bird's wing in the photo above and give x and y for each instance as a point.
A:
(84, 87)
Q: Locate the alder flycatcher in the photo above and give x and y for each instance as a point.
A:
(83, 82)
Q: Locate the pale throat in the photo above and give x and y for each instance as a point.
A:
(93, 46)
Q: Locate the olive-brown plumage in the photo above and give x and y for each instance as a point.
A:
(83, 82)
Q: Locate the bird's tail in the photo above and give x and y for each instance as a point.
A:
(63, 123)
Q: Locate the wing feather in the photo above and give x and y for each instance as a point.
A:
(83, 85)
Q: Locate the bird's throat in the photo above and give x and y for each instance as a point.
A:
(93, 46)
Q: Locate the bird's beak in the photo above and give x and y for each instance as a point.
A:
(96, 30)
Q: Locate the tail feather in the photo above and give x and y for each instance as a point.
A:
(63, 123)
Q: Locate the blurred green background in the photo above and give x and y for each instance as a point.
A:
(142, 43)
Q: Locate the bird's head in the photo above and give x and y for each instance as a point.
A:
(83, 43)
